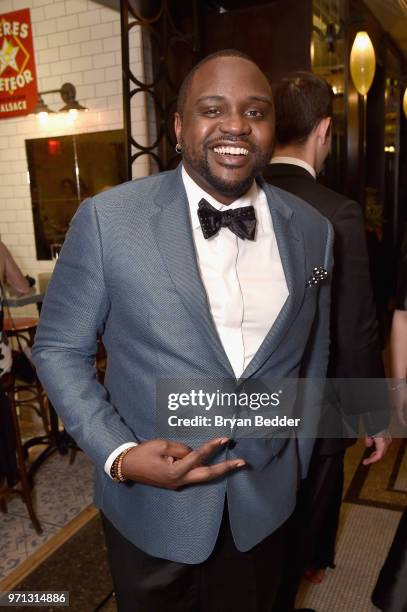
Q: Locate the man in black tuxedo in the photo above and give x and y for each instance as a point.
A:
(303, 104)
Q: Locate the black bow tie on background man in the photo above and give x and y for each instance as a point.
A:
(240, 221)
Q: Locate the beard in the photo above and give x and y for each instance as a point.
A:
(230, 188)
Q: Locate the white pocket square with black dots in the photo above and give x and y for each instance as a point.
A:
(319, 274)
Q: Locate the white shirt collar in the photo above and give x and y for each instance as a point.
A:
(195, 194)
(295, 161)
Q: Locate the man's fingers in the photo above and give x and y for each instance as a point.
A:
(376, 456)
(196, 457)
(168, 464)
(210, 472)
(175, 449)
(381, 444)
(207, 449)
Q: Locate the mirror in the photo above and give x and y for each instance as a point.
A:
(64, 171)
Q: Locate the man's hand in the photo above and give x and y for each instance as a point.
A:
(170, 465)
(381, 442)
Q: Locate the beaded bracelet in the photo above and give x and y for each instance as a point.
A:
(116, 471)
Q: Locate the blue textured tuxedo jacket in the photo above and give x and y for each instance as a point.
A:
(128, 271)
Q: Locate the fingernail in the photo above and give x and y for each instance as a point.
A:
(240, 464)
(224, 440)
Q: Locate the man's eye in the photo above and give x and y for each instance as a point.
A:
(211, 111)
(254, 113)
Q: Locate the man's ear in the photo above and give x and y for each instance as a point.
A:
(178, 126)
(324, 129)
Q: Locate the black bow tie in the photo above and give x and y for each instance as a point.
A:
(240, 221)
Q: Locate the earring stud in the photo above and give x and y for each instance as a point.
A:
(178, 148)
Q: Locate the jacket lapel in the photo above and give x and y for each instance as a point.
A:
(291, 248)
(172, 228)
(173, 231)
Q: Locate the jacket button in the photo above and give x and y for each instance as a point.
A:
(231, 444)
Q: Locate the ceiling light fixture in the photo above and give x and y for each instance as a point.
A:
(362, 63)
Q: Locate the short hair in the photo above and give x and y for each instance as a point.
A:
(186, 83)
(301, 100)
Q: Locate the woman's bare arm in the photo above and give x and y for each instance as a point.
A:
(398, 344)
(11, 272)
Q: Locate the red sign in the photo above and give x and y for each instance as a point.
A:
(18, 81)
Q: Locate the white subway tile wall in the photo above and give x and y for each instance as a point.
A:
(75, 41)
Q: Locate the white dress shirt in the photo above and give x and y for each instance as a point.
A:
(244, 280)
(295, 161)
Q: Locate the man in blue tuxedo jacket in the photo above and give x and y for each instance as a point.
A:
(198, 273)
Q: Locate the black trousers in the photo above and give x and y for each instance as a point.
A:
(314, 525)
(229, 581)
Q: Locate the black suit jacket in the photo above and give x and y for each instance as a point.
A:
(355, 347)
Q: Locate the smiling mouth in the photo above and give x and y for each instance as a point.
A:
(229, 150)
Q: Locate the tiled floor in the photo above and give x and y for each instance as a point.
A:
(361, 550)
(366, 532)
(60, 493)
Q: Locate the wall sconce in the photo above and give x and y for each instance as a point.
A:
(362, 63)
(405, 103)
(68, 95)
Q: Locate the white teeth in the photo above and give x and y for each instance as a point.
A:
(231, 151)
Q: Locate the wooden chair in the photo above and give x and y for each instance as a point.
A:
(22, 487)
(29, 394)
